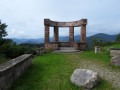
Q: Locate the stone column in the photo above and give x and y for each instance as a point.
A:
(56, 34)
(46, 34)
(71, 35)
(83, 33)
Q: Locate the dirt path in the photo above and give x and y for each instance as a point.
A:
(104, 71)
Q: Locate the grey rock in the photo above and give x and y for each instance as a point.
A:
(84, 78)
(115, 60)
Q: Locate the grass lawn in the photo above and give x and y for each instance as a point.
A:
(115, 46)
(52, 72)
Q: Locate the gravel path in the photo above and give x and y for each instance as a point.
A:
(110, 75)
(104, 71)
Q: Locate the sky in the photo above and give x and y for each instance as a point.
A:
(25, 18)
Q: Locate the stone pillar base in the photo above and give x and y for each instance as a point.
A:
(79, 46)
(53, 46)
(82, 46)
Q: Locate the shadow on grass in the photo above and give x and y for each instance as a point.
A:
(31, 78)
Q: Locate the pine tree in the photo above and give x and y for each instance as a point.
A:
(94, 42)
(101, 43)
(118, 38)
(3, 32)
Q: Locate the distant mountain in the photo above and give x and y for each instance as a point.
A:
(31, 41)
(66, 38)
(102, 36)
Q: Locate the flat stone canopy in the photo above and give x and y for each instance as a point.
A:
(78, 23)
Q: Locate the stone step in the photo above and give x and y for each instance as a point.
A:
(67, 51)
(66, 48)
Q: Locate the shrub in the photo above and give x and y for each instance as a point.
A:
(12, 51)
(49, 51)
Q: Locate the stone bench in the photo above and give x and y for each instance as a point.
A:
(114, 51)
(12, 69)
(40, 51)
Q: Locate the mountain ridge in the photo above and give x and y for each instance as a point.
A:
(99, 36)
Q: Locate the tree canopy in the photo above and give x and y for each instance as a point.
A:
(3, 32)
(118, 38)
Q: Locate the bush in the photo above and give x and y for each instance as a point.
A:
(12, 51)
(103, 49)
(48, 51)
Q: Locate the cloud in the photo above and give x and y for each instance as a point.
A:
(15, 34)
(28, 15)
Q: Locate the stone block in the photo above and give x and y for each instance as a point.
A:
(12, 69)
(97, 49)
(84, 78)
(115, 61)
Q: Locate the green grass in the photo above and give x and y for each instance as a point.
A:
(90, 55)
(3, 60)
(53, 71)
(115, 46)
(106, 48)
(47, 72)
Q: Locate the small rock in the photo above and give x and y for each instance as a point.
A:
(84, 78)
(115, 60)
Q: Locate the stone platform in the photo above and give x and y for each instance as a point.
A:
(67, 50)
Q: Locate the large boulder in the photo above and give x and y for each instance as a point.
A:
(115, 60)
(84, 78)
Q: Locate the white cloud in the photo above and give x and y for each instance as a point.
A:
(15, 34)
(28, 15)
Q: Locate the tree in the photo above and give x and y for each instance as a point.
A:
(101, 43)
(94, 42)
(3, 32)
(118, 38)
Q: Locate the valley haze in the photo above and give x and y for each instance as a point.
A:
(99, 36)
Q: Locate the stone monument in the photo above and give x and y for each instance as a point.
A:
(56, 44)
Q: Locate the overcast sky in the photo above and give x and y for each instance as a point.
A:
(25, 17)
